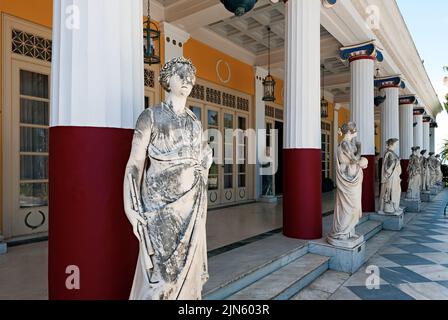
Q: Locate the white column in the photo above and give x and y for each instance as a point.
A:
(406, 130)
(390, 128)
(303, 76)
(418, 131)
(337, 107)
(260, 124)
(432, 139)
(302, 204)
(362, 59)
(97, 76)
(362, 103)
(174, 39)
(426, 144)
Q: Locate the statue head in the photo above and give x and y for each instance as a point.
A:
(423, 152)
(431, 154)
(349, 130)
(415, 150)
(438, 156)
(391, 144)
(178, 76)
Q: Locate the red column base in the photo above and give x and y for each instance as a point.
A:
(368, 186)
(88, 226)
(404, 175)
(302, 201)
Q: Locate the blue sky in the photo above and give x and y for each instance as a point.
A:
(428, 23)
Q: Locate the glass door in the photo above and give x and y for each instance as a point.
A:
(228, 172)
(242, 158)
(214, 177)
(30, 145)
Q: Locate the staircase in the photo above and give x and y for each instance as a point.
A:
(275, 268)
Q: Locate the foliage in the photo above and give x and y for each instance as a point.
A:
(444, 152)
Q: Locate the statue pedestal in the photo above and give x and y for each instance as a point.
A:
(427, 197)
(390, 222)
(348, 258)
(412, 205)
(439, 188)
(268, 199)
(434, 191)
(3, 247)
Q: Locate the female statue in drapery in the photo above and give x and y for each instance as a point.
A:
(390, 180)
(425, 171)
(432, 166)
(439, 171)
(168, 170)
(349, 177)
(415, 175)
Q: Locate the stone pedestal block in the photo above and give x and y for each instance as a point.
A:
(3, 248)
(341, 259)
(427, 197)
(412, 205)
(390, 222)
(434, 191)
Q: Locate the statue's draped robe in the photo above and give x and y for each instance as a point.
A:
(174, 195)
(349, 177)
(432, 165)
(390, 183)
(415, 178)
(425, 173)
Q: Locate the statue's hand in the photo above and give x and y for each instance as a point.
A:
(135, 218)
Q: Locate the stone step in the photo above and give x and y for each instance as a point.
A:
(287, 281)
(234, 270)
(369, 228)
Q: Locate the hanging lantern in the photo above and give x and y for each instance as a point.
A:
(151, 44)
(269, 89)
(269, 82)
(239, 7)
(323, 102)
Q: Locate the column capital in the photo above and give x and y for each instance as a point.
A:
(419, 111)
(408, 100)
(433, 124)
(390, 82)
(427, 119)
(366, 50)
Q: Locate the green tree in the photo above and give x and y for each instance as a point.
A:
(444, 153)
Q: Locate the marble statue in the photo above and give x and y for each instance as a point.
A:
(165, 193)
(415, 175)
(390, 195)
(425, 171)
(349, 177)
(439, 171)
(432, 167)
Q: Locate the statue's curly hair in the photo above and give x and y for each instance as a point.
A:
(348, 127)
(390, 142)
(172, 67)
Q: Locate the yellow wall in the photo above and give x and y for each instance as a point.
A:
(37, 11)
(205, 59)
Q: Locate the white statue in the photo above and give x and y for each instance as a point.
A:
(415, 175)
(439, 171)
(349, 177)
(425, 171)
(168, 170)
(432, 166)
(390, 181)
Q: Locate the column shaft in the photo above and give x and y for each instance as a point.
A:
(363, 114)
(426, 144)
(97, 95)
(390, 128)
(302, 208)
(418, 131)
(406, 140)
